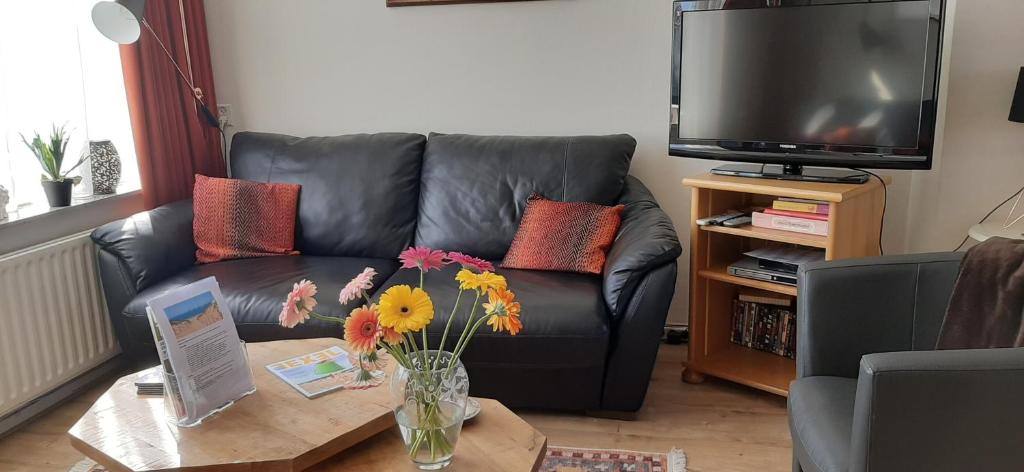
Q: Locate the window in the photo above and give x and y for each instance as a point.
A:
(56, 68)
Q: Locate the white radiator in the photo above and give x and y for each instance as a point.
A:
(53, 320)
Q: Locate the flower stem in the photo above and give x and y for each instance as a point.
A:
(320, 317)
(458, 352)
(465, 329)
(448, 326)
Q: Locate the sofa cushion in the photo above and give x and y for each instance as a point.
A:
(562, 347)
(359, 192)
(254, 290)
(821, 418)
(563, 236)
(474, 188)
(236, 219)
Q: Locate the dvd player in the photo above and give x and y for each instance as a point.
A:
(749, 268)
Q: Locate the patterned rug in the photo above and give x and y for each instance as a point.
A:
(565, 459)
(568, 459)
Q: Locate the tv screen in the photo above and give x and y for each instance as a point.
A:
(829, 84)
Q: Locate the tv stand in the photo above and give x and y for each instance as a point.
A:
(793, 172)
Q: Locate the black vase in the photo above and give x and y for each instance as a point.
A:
(58, 193)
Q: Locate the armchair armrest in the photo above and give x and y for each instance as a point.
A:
(646, 240)
(854, 307)
(939, 411)
(149, 246)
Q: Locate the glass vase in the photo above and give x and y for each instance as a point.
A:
(430, 405)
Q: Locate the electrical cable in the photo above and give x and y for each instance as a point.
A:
(987, 215)
(885, 203)
(224, 146)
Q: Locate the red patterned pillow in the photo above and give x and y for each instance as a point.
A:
(567, 237)
(236, 219)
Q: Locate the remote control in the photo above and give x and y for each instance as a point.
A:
(718, 219)
(738, 221)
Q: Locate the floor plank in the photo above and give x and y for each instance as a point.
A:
(721, 426)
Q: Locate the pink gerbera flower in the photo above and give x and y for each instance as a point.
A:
(470, 262)
(422, 258)
(298, 304)
(358, 286)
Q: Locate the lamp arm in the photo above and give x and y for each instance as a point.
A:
(197, 92)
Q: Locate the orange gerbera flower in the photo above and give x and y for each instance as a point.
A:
(362, 330)
(503, 311)
(390, 336)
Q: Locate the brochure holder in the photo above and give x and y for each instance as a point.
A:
(180, 411)
(175, 408)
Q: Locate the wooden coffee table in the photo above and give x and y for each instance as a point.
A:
(278, 429)
(496, 440)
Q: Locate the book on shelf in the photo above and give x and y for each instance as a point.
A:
(764, 327)
(797, 214)
(789, 223)
(799, 204)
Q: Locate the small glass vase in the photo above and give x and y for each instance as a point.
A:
(430, 405)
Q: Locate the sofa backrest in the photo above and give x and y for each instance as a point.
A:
(359, 192)
(474, 188)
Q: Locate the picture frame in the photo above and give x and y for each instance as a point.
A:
(411, 3)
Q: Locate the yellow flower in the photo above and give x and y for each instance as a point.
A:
(484, 281)
(405, 309)
(503, 311)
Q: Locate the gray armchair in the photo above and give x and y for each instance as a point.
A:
(871, 393)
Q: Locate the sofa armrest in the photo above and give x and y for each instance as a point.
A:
(149, 246)
(646, 240)
(853, 307)
(939, 411)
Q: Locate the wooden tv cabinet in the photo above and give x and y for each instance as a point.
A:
(855, 218)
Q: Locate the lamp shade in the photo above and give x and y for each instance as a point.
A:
(1017, 107)
(119, 20)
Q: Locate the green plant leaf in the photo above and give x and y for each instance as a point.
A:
(51, 154)
(80, 161)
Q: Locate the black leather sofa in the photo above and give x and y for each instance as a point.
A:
(589, 342)
(872, 394)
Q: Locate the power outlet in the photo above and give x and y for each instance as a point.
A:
(224, 114)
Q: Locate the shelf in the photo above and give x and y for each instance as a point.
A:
(768, 234)
(722, 274)
(826, 192)
(761, 370)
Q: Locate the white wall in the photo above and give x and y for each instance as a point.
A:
(552, 67)
(981, 155)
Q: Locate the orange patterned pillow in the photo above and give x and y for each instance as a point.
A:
(567, 237)
(236, 219)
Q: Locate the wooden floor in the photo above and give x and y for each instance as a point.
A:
(722, 427)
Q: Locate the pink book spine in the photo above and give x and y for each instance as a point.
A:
(797, 214)
(790, 223)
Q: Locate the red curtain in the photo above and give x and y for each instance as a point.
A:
(172, 141)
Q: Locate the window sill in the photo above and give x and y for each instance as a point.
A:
(34, 225)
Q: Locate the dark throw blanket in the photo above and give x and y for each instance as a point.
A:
(985, 310)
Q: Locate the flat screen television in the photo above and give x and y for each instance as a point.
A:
(789, 83)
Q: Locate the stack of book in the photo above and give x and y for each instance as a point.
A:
(795, 214)
(150, 381)
(764, 321)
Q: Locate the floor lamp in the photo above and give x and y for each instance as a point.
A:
(120, 22)
(982, 231)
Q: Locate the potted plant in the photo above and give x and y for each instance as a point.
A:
(50, 155)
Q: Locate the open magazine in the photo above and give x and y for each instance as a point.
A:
(205, 365)
(316, 373)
